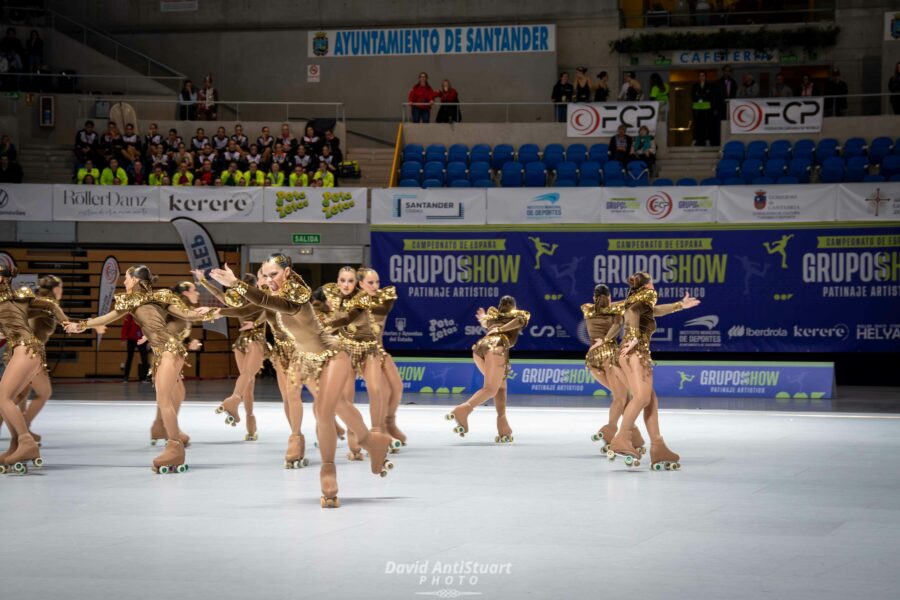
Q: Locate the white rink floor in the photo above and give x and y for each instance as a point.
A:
(767, 505)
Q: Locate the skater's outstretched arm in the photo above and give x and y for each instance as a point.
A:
(661, 310)
(51, 307)
(204, 313)
(110, 317)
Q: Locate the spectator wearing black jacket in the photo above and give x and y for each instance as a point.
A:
(87, 144)
(725, 89)
(835, 95)
(562, 95)
(701, 104)
(334, 142)
(7, 148)
(620, 146)
(10, 172)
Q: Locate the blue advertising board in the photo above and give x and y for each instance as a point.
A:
(767, 288)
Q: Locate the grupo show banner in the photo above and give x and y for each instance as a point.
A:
(800, 381)
(402, 206)
(315, 205)
(463, 39)
(773, 289)
(776, 115)
(602, 119)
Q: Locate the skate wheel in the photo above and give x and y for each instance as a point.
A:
(657, 467)
(629, 461)
(596, 437)
(181, 469)
(396, 444)
(449, 416)
(330, 502)
(605, 449)
(636, 463)
(642, 450)
(38, 462)
(3, 469)
(676, 466)
(152, 442)
(388, 465)
(20, 468)
(229, 420)
(164, 470)
(220, 409)
(496, 439)
(395, 451)
(251, 437)
(304, 462)
(404, 443)
(610, 455)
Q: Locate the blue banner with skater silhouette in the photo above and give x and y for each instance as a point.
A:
(766, 288)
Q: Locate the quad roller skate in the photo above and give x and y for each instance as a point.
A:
(460, 414)
(171, 460)
(295, 457)
(328, 481)
(605, 434)
(230, 406)
(621, 446)
(663, 459)
(394, 446)
(22, 450)
(390, 423)
(157, 432)
(504, 431)
(378, 445)
(251, 429)
(36, 437)
(637, 441)
(356, 453)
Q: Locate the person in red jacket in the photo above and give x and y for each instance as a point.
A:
(449, 111)
(421, 97)
(131, 335)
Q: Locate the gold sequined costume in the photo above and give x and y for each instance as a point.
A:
(238, 308)
(359, 322)
(640, 324)
(17, 307)
(603, 323)
(509, 324)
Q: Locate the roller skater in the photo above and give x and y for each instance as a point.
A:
(171, 460)
(295, 457)
(328, 482)
(661, 458)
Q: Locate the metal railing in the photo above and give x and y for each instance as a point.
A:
(719, 18)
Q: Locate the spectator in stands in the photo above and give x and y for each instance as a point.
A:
(11, 48)
(781, 89)
(110, 143)
(312, 141)
(644, 148)
(561, 95)
(220, 141)
(136, 174)
(87, 144)
(131, 335)
(253, 156)
(266, 143)
(88, 170)
(701, 106)
(166, 180)
(582, 89)
(894, 89)
(449, 111)
(207, 153)
(601, 88)
(206, 175)
(182, 156)
(7, 148)
(131, 145)
(254, 176)
(112, 173)
(276, 176)
(280, 157)
(327, 159)
(183, 176)
(172, 143)
(806, 87)
(158, 158)
(206, 101)
(421, 97)
(323, 177)
(659, 92)
(242, 140)
(334, 142)
(231, 176)
(748, 88)
(620, 146)
(287, 140)
(10, 172)
(631, 89)
(724, 89)
(157, 175)
(187, 102)
(34, 51)
(304, 159)
(198, 140)
(89, 180)
(298, 178)
(233, 153)
(835, 95)
(153, 138)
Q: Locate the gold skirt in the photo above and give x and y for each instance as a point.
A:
(641, 349)
(251, 336)
(310, 364)
(32, 344)
(494, 344)
(174, 347)
(360, 352)
(603, 357)
(284, 352)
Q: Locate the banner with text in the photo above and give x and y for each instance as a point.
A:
(602, 119)
(776, 115)
(781, 289)
(26, 202)
(105, 203)
(463, 39)
(868, 201)
(437, 206)
(777, 203)
(511, 206)
(212, 204)
(315, 205)
(659, 205)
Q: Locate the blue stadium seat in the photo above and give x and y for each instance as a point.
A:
(483, 183)
(612, 171)
(800, 168)
(458, 153)
(733, 181)
(480, 153)
(787, 180)
(460, 183)
(855, 146)
(775, 168)
(503, 153)
(751, 169)
(663, 182)
(832, 170)
(879, 148)
(432, 183)
(510, 173)
(857, 168)
(434, 170)
(758, 150)
(690, 181)
(568, 171)
(726, 168)
(576, 153)
(599, 153)
(780, 149)
(413, 152)
(409, 183)
(456, 171)
(638, 173)
(529, 153)
(890, 166)
(535, 175)
(897, 146)
(411, 170)
(734, 150)
(763, 181)
(589, 174)
(553, 155)
(804, 149)
(436, 153)
(873, 179)
(827, 148)
(709, 181)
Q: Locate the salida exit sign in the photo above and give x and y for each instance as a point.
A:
(307, 238)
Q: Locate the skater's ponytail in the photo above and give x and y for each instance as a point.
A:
(506, 303)
(601, 295)
(639, 280)
(145, 278)
(46, 285)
